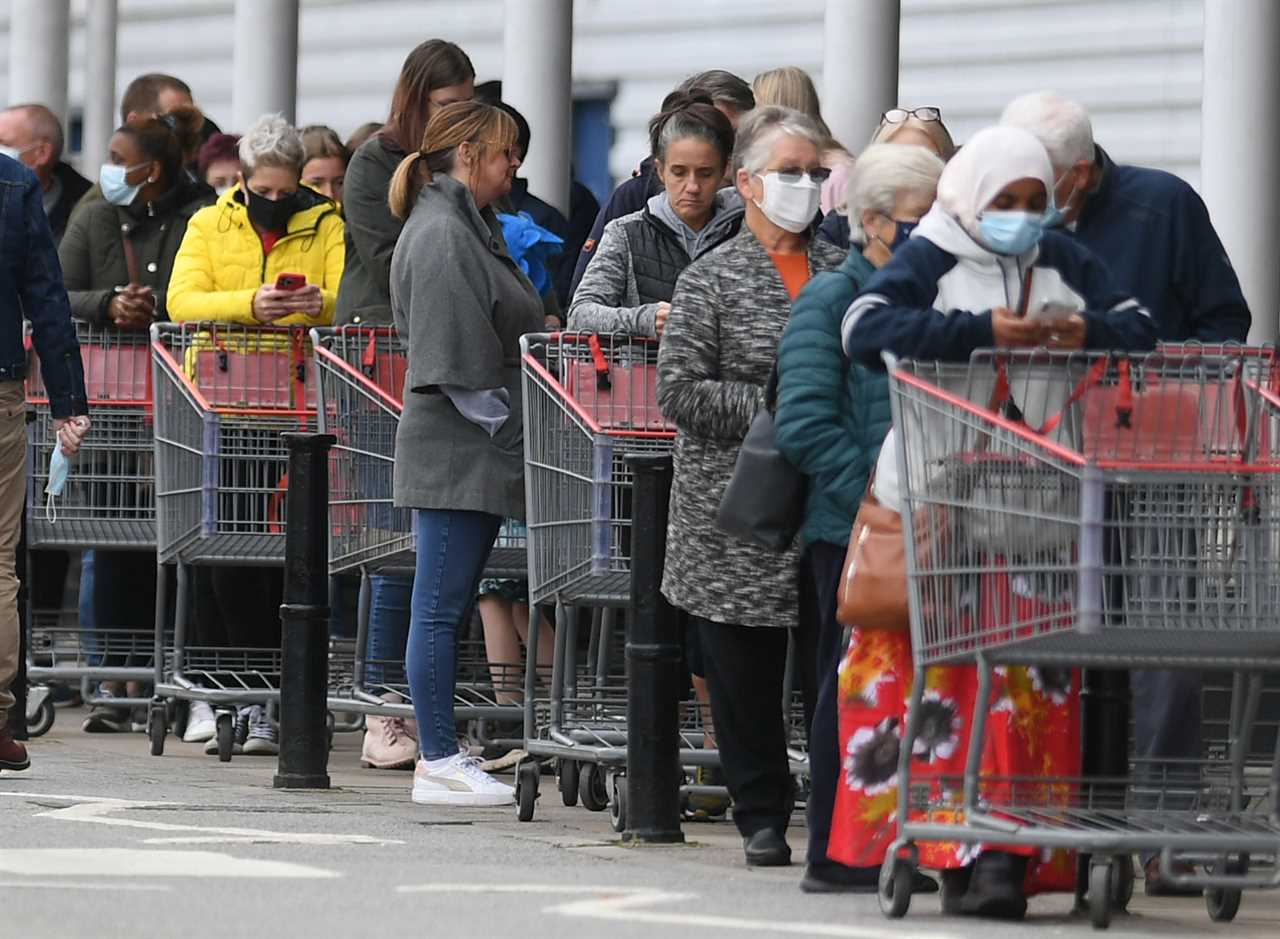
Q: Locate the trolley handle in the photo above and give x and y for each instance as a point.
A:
(603, 382)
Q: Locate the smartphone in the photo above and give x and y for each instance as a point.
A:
(1053, 311)
(291, 281)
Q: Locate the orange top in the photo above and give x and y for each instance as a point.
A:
(794, 271)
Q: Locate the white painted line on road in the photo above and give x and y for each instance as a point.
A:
(625, 904)
(99, 809)
(83, 885)
(136, 863)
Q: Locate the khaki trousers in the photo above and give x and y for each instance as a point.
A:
(13, 499)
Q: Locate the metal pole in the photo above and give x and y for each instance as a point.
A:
(537, 80)
(1240, 140)
(859, 67)
(304, 673)
(39, 44)
(264, 75)
(654, 675)
(99, 82)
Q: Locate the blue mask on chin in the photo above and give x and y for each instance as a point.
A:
(1010, 232)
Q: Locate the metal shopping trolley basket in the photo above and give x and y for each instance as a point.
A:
(108, 503)
(1118, 511)
(224, 395)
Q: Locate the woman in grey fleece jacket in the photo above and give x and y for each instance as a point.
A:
(627, 287)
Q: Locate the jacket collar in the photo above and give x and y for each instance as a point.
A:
(445, 192)
(179, 196)
(856, 267)
(1093, 201)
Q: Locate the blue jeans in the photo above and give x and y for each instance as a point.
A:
(388, 627)
(452, 549)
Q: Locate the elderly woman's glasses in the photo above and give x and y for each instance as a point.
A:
(793, 174)
(898, 115)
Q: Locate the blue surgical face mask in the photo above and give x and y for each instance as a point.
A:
(59, 469)
(1054, 216)
(1010, 232)
(902, 231)
(115, 186)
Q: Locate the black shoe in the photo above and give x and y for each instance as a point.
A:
(767, 848)
(839, 878)
(995, 889)
(106, 720)
(1157, 886)
(955, 884)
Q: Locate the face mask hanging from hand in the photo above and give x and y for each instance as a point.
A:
(1010, 232)
(791, 205)
(59, 470)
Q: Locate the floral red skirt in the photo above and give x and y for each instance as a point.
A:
(1033, 730)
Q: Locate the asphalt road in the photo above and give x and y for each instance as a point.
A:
(99, 839)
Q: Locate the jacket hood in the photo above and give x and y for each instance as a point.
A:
(991, 159)
(312, 207)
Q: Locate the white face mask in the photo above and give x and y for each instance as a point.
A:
(790, 203)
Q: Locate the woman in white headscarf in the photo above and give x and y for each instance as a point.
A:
(958, 285)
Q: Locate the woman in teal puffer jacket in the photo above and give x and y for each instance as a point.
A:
(832, 417)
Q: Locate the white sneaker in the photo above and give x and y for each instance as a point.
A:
(458, 780)
(263, 738)
(200, 723)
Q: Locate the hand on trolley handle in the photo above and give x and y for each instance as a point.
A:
(71, 432)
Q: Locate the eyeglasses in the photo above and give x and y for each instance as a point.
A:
(794, 174)
(899, 115)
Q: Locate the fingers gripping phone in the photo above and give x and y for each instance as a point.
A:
(291, 281)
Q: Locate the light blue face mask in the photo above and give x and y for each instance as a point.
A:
(1010, 232)
(115, 187)
(59, 470)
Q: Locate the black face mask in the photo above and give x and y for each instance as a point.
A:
(270, 214)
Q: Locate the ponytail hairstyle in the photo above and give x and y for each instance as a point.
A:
(684, 116)
(170, 139)
(484, 126)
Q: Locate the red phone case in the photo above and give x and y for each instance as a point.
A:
(291, 282)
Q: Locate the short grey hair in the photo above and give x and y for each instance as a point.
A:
(760, 129)
(1061, 126)
(881, 174)
(272, 141)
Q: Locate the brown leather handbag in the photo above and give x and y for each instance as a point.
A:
(873, 584)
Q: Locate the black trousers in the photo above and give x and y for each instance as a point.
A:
(820, 580)
(745, 672)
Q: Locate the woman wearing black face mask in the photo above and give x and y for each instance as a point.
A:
(832, 417)
(264, 226)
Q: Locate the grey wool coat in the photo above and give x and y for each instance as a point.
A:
(727, 316)
(463, 304)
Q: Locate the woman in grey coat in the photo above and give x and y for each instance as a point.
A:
(719, 346)
(463, 305)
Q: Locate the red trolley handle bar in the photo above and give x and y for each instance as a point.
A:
(359, 378)
(582, 414)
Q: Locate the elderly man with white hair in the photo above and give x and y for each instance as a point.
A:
(1155, 234)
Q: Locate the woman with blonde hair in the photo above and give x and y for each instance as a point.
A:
(791, 87)
(461, 304)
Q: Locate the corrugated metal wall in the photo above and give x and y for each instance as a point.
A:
(1135, 63)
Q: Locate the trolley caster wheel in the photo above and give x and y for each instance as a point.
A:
(1223, 903)
(1100, 881)
(1122, 879)
(41, 722)
(568, 779)
(592, 788)
(225, 732)
(618, 804)
(527, 777)
(177, 714)
(894, 892)
(157, 727)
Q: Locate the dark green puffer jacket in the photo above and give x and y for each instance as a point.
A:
(832, 414)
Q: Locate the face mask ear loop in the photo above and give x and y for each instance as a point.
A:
(51, 508)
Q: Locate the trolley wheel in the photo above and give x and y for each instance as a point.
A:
(42, 721)
(527, 777)
(592, 788)
(1223, 903)
(618, 804)
(568, 780)
(225, 732)
(157, 727)
(1122, 878)
(894, 891)
(1100, 881)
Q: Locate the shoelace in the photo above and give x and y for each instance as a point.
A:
(469, 766)
(393, 729)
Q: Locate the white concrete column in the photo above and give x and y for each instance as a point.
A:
(265, 61)
(537, 80)
(39, 41)
(1240, 144)
(100, 115)
(859, 67)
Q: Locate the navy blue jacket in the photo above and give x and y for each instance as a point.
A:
(895, 311)
(31, 286)
(632, 195)
(1154, 233)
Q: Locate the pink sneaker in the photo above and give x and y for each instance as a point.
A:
(387, 744)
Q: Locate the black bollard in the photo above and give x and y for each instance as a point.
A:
(304, 617)
(654, 677)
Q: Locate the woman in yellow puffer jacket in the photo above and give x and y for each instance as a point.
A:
(265, 226)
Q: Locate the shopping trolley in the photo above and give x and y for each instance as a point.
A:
(361, 372)
(589, 402)
(1120, 511)
(108, 503)
(224, 395)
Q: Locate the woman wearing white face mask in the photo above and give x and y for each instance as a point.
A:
(727, 315)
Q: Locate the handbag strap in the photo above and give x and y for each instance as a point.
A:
(130, 258)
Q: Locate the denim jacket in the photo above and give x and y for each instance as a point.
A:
(31, 286)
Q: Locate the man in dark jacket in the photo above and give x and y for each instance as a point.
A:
(727, 92)
(31, 288)
(32, 135)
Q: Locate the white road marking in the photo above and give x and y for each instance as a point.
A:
(136, 863)
(83, 885)
(99, 809)
(626, 904)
